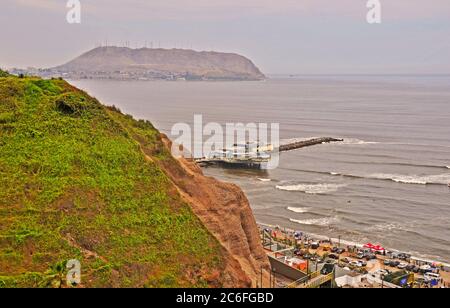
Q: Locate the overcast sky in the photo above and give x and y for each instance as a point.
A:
(280, 36)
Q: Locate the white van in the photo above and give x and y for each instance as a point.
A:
(431, 276)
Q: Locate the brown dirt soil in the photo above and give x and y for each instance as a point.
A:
(225, 211)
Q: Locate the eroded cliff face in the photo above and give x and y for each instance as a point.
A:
(225, 211)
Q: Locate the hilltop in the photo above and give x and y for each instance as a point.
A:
(80, 180)
(147, 63)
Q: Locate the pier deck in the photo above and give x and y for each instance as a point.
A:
(256, 162)
(307, 143)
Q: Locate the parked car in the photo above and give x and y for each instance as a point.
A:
(363, 263)
(346, 260)
(431, 276)
(327, 269)
(360, 255)
(394, 263)
(334, 249)
(333, 256)
(354, 264)
(402, 265)
(380, 273)
(340, 251)
(394, 255)
(370, 256)
(416, 269)
(315, 245)
(404, 256)
(425, 269)
(387, 262)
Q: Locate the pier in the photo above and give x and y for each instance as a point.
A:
(307, 143)
(254, 155)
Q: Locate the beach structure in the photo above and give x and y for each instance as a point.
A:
(255, 154)
(251, 154)
(358, 266)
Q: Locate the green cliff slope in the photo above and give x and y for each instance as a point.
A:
(76, 184)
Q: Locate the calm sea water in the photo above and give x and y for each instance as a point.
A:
(387, 183)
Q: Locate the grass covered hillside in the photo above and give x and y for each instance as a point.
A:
(75, 184)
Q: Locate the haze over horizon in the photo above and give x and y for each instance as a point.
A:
(286, 37)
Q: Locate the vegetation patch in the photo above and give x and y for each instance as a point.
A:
(3, 73)
(78, 181)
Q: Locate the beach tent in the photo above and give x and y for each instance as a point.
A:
(369, 245)
(374, 247)
(378, 248)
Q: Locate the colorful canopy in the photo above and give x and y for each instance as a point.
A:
(374, 247)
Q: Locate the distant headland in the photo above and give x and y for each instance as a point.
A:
(122, 63)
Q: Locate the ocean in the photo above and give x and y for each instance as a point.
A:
(387, 183)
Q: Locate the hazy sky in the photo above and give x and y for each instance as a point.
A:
(280, 36)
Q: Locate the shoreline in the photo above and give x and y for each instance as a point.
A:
(348, 243)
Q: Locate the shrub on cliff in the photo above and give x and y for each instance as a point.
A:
(3, 73)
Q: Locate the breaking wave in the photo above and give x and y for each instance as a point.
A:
(298, 209)
(326, 221)
(312, 188)
(437, 179)
(442, 179)
(354, 141)
(265, 180)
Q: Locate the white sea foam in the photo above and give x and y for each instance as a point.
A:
(354, 141)
(326, 221)
(448, 167)
(265, 180)
(383, 227)
(439, 179)
(442, 179)
(312, 188)
(298, 209)
(347, 141)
